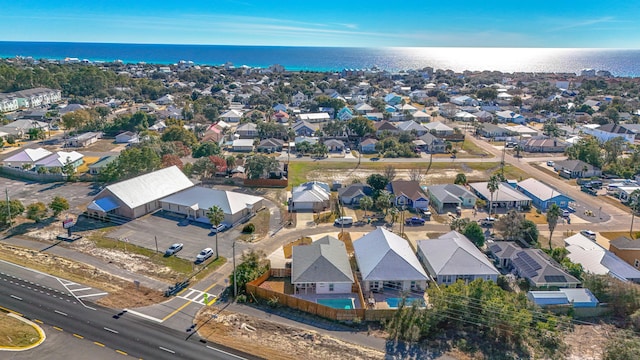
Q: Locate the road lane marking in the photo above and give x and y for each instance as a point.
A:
(111, 330)
(82, 289)
(121, 352)
(177, 310)
(144, 316)
(57, 328)
(226, 353)
(16, 297)
(167, 350)
(99, 344)
(78, 336)
(88, 295)
(38, 321)
(60, 313)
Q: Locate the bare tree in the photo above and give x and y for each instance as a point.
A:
(389, 173)
(415, 175)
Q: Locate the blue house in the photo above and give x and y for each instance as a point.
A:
(345, 114)
(542, 195)
(279, 107)
(393, 99)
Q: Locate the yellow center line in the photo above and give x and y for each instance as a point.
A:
(177, 310)
(38, 321)
(99, 344)
(11, 311)
(57, 328)
(121, 352)
(78, 336)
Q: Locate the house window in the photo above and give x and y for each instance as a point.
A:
(330, 287)
(636, 263)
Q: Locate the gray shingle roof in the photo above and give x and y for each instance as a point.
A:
(325, 260)
(454, 254)
(385, 256)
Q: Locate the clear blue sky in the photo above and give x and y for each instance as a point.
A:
(513, 23)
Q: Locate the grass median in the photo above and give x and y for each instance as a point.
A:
(15, 333)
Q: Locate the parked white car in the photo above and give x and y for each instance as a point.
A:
(204, 255)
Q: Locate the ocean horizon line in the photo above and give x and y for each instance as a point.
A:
(321, 47)
(619, 62)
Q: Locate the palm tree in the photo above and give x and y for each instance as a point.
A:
(553, 214)
(215, 215)
(366, 203)
(634, 205)
(461, 179)
(383, 201)
(493, 185)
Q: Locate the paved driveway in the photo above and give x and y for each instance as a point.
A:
(78, 194)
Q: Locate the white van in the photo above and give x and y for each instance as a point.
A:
(344, 220)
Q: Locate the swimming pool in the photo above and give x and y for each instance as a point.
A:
(394, 302)
(337, 303)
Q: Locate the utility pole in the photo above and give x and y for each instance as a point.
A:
(6, 191)
(235, 284)
(504, 150)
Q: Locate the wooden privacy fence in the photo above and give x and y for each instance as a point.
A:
(313, 308)
(288, 248)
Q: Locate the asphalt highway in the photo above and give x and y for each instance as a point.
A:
(126, 334)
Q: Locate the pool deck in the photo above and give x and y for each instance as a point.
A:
(378, 300)
(315, 297)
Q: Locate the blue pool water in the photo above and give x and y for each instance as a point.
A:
(337, 303)
(394, 302)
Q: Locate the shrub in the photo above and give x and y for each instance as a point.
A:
(273, 301)
(249, 228)
(241, 298)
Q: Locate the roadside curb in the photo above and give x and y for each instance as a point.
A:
(43, 337)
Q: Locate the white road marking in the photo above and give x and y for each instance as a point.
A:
(96, 294)
(16, 297)
(144, 316)
(167, 350)
(111, 330)
(60, 312)
(226, 353)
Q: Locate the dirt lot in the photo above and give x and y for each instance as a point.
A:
(274, 341)
(346, 177)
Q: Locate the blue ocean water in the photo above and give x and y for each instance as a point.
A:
(624, 63)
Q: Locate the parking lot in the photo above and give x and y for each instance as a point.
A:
(79, 194)
(168, 229)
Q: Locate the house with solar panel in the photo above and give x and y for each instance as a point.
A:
(541, 271)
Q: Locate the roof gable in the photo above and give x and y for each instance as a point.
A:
(149, 187)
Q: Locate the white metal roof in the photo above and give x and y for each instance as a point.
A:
(150, 187)
(204, 198)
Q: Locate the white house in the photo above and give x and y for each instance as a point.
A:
(597, 260)
(242, 145)
(232, 116)
(298, 98)
(127, 137)
(60, 159)
(195, 203)
(321, 267)
(310, 196)
(26, 157)
(386, 260)
(453, 257)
